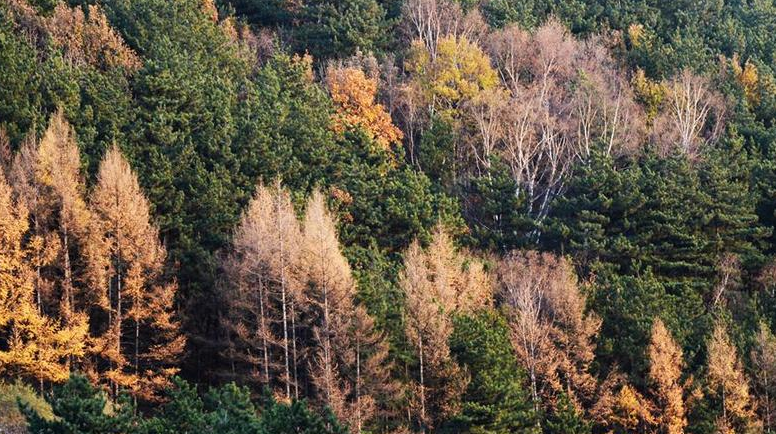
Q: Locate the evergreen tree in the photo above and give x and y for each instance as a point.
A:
(80, 408)
(496, 399)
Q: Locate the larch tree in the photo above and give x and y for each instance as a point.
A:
(551, 331)
(140, 343)
(665, 370)
(438, 283)
(266, 289)
(727, 381)
(58, 174)
(348, 351)
(44, 243)
(33, 345)
(763, 359)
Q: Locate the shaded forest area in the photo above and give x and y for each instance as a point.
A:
(387, 216)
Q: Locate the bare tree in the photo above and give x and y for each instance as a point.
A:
(692, 118)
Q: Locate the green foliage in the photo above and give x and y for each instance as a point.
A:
(496, 398)
(337, 28)
(565, 419)
(79, 408)
(16, 395)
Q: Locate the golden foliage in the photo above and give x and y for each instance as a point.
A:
(354, 95)
(90, 39)
(727, 380)
(458, 73)
(665, 370)
(141, 343)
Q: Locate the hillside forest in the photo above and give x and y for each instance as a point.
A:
(387, 216)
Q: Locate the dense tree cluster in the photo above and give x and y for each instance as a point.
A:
(387, 216)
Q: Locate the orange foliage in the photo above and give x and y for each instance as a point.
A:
(354, 95)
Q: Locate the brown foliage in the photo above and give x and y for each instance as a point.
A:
(90, 39)
(437, 283)
(552, 334)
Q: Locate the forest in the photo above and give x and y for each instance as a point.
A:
(387, 216)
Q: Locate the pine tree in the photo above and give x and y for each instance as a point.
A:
(665, 370)
(140, 343)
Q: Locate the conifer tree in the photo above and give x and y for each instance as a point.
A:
(58, 173)
(665, 370)
(727, 381)
(33, 345)
(552, 333)
(263, 271)
(349, 367)
(764, 373)
(140, 343)
(438, 283)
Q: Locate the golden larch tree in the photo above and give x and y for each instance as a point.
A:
(438, 283)
(265, 290)
(140, 344)
(34, 346)
(665, 371)
(551, 331)
(349, 362)
(764, 373)
(726, 380)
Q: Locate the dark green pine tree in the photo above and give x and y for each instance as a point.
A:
(565, 419)
(338, 28)
(495, 213)
(296, 418)
(183, 413)
(79, 408)
(230, 410)
(496, 400)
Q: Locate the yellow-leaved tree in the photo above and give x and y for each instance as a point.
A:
(33, 345)
(139, 344)
(665, 370)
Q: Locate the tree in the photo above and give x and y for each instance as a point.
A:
(727, 381)
(34, 345)
(349, 354)
(267, 289)
(665, 370)
(340, 28)
(693, 116)
(551, 332)
(63, 210)
(140, 343)
(354, 94)
(495, 400)
(763, 358)
(437, 285)
(80, 408)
